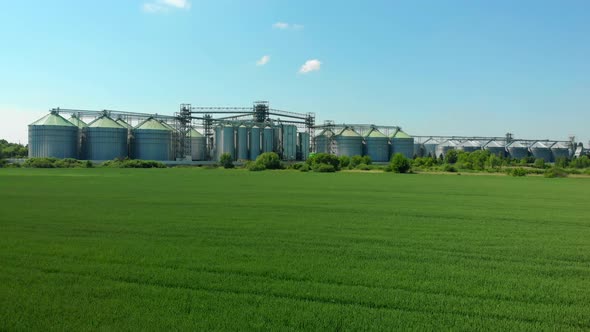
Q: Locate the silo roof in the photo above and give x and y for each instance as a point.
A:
(540, 145)
(326, 132)
(560, 145)
(401, 134)
(152, 124)
(168, 126)
(471, 144)
(194, 133)
(375, 133)
(77, 122)
(104, 122)
(448, 143)
(495, 144)
(518, 144)
(53, 119)
(124, 124)
(348, 132)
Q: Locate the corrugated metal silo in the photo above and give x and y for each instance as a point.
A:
(560, 150)
(129, 135)
(152, 141)
(404, 144)
(105, 139)
(198, 145)
(323, 141)
(174, 140)
(518, 150)
(77, 122)
(445, 147)
(348, 143)
(254, 142)
(267, 139)
(541, 150)
(289, 142)
(496, 148)
(225, 141)
(303, 145)
(53, 136)
(242, 142)
(377, 145)
(430, 147)
(469, 146)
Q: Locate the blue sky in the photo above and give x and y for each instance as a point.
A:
(432, 67)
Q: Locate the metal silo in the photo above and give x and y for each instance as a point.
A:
(289, 142)
(518, 150)
(53, 136)
(153, 141)
(541, 150)
(404, 144)
(323, 141)
(267, 139)
(242, 142)
(445, 147)
(225, 141)
(254, 142)
(174, 140)
(469, 146)
(430, 147)
(198, 145)
(77, 122)
(348, 143)
(377, 145)
(129, 135)
(105, 139)
(496, 148)
(560, 150)
(303, 145)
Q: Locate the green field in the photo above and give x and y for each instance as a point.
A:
(198, 249)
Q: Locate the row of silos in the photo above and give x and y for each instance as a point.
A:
(248, 142)
(375, 144)
(548, 151)
(107, 139)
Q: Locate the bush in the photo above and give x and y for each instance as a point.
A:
(363, 167)
(40, 163)
(226, 160)
(344, 161)
(582, 162)
(132, 163)
(3, 163)
(452, 156)
(517, 171)
(324, 158)
(562, 162)
(449, 168)
(297, 166)
(355, 161)
(539, 163)
(555, 172)
(304, 168)
(324, 168)
(255, 167)
(400, 164)
(267, 160)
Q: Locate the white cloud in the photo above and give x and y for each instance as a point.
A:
(163, 6)
(309, 66)
(287, 26)
(264, 60)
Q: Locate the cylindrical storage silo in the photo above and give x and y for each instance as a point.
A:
(152, 141)
(129, 135)
(242, 143)
(469, 146)
(254, 142)
(267, 139)
(518, 150)
(198, 145)
(303, 146)
(289, 142)
(560, 150)
(323, 141)
(430, 147)
(105, 139)
(541, 150)
(445, 147)
(225, 141)
(174, 140)
(404, 144)
(496, 148)
(348, 143)
(377, 146)
(53, 136)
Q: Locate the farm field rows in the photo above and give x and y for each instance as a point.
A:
(199, 249)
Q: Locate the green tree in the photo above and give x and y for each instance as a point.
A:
(400, 164)
(539, 163)
(451, 157)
